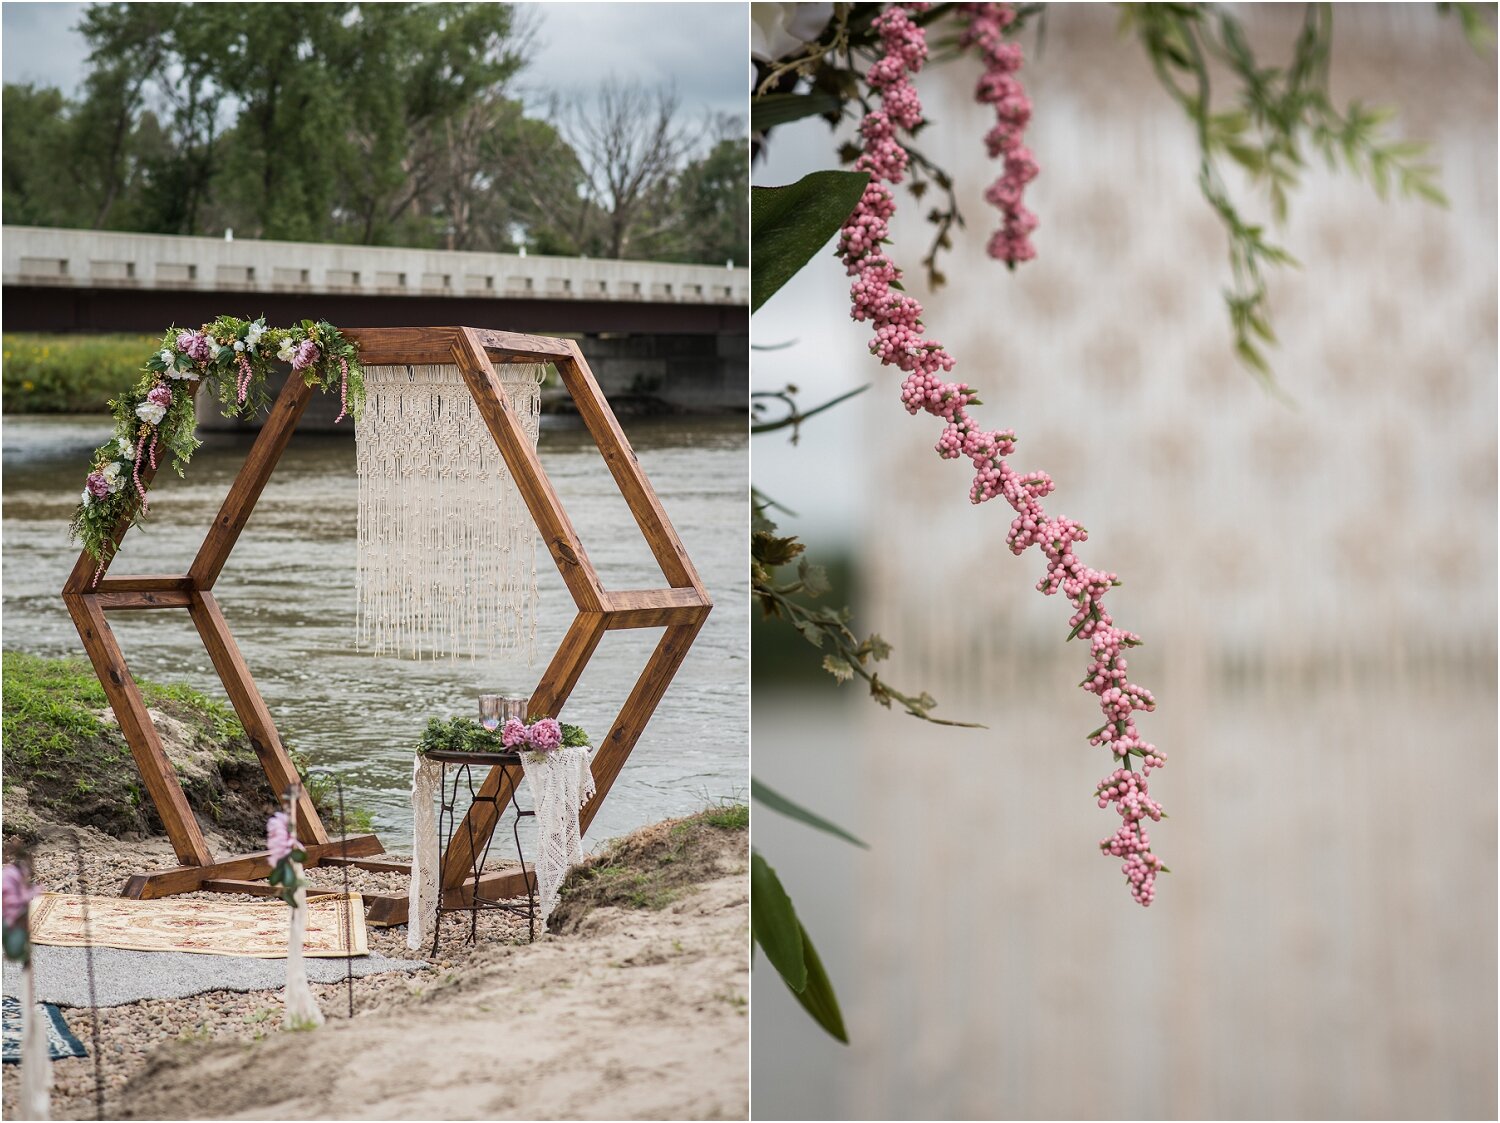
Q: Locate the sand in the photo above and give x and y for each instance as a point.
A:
(633, 1013)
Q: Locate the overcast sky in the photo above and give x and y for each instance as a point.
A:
(701, 48)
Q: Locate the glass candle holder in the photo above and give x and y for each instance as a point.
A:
(496, 709)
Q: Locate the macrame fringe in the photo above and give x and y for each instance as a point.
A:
(447, 548)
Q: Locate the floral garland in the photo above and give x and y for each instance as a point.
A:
(899, 341)
(156, 417)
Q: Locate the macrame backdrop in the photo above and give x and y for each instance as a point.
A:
(447, 549)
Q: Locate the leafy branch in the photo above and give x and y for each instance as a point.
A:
(1282, 114)
(793, 417)
(827, 628)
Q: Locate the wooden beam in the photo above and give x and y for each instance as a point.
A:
(557, 682)
(125, 698)
(187, 879)
(145, 583)
(610, 757)
(650, 608)
(269, 444)
(526, 470)
(620, 458)
(385, 909)
(112, 600)
(253, 713)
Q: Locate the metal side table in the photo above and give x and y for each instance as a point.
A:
(462, 765)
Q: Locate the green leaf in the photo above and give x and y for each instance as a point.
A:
(15, 943)
(779, 109)
(778, 802)
(774, 922)
(817, 997)
(789, 224)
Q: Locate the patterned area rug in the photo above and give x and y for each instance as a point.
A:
(335, 925)
(60, 1040)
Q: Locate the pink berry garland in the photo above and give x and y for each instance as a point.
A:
(898, 341)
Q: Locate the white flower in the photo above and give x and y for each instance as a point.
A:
(252, 336)
(239, 344)
(192, 375)
(150, 412)
(169, 358)
(127, 450)
(287, 351)
(88, 498)
(111, 474)
(777, 30)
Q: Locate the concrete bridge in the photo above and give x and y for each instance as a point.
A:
(675, 334)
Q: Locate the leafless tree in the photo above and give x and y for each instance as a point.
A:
(630, 140)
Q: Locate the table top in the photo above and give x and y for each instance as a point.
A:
(454, 756)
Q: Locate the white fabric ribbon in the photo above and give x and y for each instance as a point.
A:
(422, 891)
(35, 1099)
(561, 782)
(301, 1007)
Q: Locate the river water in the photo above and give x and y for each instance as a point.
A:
(288, 594)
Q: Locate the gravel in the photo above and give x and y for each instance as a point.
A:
(129, 1033)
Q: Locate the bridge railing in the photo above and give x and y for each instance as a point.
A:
(44, 256)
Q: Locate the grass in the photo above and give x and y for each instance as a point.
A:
(653, 867)
(63, 763)
(69, 373)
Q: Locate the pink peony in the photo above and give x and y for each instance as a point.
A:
(513, 735)
(98, 487)
(161, 394)
(195, 345)
(15, 894)
(545, 735)
(307, 354)
(280, 840)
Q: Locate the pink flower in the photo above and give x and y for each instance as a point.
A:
(513, 734)
(195, 345)
(16, 893)
(280, 840)
(98, 487)
(161, 395)
(899, 340)
(307, 354)
(545, 735)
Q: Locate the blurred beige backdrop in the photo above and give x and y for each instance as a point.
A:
(1316, 584)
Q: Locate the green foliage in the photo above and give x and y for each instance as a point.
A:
(728, 817)
(378, 124)
(782, 937)
(67, 373)
(1281, 116)
(792, 223)
(773, 799)
(847, 655)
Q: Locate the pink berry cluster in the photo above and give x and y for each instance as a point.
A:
(899, 341)
(999, 87)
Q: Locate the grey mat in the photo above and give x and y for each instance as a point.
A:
(123, 976)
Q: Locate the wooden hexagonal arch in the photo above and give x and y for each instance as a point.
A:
(680, 609)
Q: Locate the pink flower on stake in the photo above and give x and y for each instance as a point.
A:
(280, 840)
(899, 341)
(513, 734)
(16, 893)
(545, 735)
